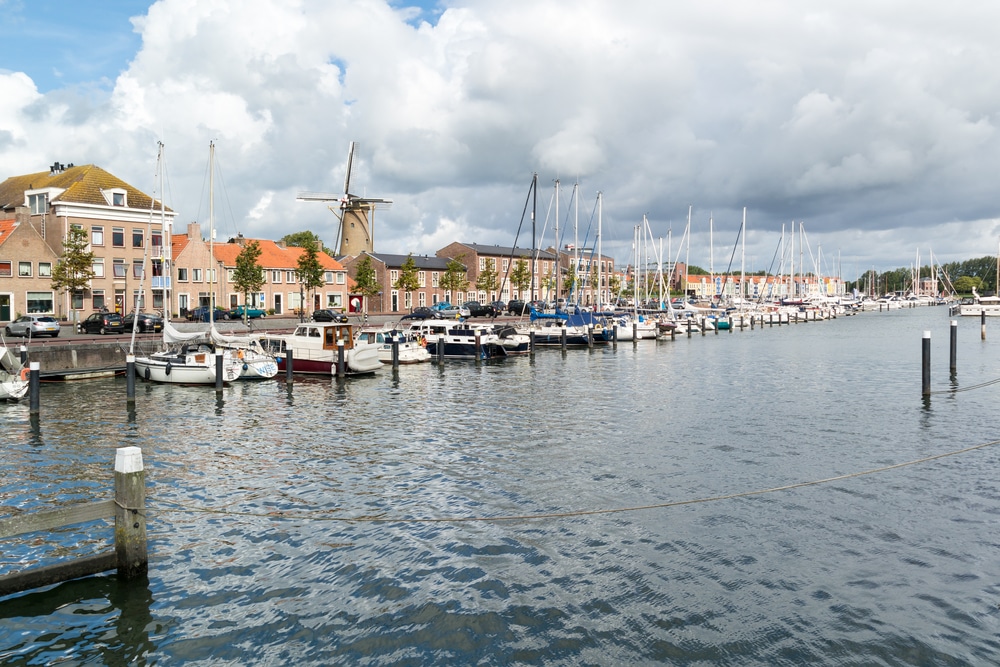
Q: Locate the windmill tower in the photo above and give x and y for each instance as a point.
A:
(356, 215)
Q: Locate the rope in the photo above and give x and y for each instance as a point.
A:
(957, 390)
(281, 514)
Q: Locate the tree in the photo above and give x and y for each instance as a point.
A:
(455, 278)
(965, 284)
(569, 282)
(520, 276)
(366, 280)
(75, 269)
(407, 280)
(248, 276)
(302, 240)
(310, 270)
(488, 280)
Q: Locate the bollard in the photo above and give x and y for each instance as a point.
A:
(982, 323)
(926, 365)
(614, 334)
(954, 346)
(289, 365)
(24, 354)
(531, 342)
(130, 378)
(395, 352)
(219, 357)
(590, 335)
(34, 382)
(130, 513)
(752, 318)
(479, 346)
(340, 357)
(635, 334)
(562, 338)
(440, 348)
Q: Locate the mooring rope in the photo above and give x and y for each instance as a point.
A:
(283, 514)
(955, 390)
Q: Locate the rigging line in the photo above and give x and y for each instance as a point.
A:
(280, 514)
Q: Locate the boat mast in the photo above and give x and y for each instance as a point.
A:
(711, 255)
(600, 205)
(211, 233)
(687, 256)
(743, 258)
(555, 270)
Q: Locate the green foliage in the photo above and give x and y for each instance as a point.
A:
(248, 276)
(488, 280)
(407, 281)
(366, 279)
(302, 240)
(965, 284)
(696, 271)
(455, 278)
(75, 268)
(569, 282)
(520, 275)
(309, 269)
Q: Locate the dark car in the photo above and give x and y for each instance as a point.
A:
(200, 314)
(499, 306)
(422, 313)
(517, 307)
(477, 309)
(102, 323)
(144, 322)
(327, 315)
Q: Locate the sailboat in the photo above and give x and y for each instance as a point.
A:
(13, 376)
(189, 357)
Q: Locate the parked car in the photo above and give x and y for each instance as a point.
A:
(499, 306)
(327, 315)
(102, 323)
(449, 311)
(477, 309)
(143, 322)
(200, 314)
(517, 307)
(33, 325)
(252, 313)
(422, 313)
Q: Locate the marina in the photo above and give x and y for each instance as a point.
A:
(743, 497)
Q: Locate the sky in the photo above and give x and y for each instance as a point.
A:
(870, 128)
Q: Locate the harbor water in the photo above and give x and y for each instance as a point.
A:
(645, 504)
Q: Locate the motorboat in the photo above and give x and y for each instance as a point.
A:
(315, 348)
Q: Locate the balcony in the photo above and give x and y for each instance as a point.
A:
(160, 282)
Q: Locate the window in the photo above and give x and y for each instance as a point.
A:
(44, 269)
(421, 299)
(434, 279)
(5, 269)
(118, 268)
(196, 275)
(77, 300)
(182, 275)
(97, 235)
(506, 263)
(137, 268)
(98, 296)
(118, 237)
(393, 276)
(24, 269)
(39, 203)
(482, 263)
(117, 198)
(40, 302)
(275, 276)
(289, 276)
(230, 274)
(341, 278)
(422, 279)
(98, 267)
(137, 237)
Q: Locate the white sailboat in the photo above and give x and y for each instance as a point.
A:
(13, 376)
(189, 357)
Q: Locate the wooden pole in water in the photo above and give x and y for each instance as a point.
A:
(289, 365)
(130, 378)
(479, 346)
(34, 382)
(954, 346)
(130, 513)
(340, 357)
(395, 352)
(982, 323)
(218, 371)
(531, 342)
(926, 365)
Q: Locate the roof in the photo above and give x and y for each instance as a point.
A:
(425, 262)
(6, 227)
(507, 251)
(80, 185)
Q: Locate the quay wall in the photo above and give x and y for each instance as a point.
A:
(78, 358)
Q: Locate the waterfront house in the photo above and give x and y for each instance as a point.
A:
(26, 264)
(122, 223)
(387, 269)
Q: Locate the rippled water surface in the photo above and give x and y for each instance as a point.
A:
(593, 507)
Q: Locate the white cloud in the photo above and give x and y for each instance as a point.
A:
(873, 122)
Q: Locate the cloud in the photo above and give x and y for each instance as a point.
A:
(875, 124)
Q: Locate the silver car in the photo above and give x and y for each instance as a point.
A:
(33, 325)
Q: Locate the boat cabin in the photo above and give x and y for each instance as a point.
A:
(326, 334)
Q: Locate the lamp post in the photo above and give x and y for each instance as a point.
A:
(302, 304)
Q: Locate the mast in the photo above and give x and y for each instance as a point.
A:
(711, 255)
(555, 271)
(600, 205)
(687, 257)
(211, 234)
(534, 207)
(743, 258)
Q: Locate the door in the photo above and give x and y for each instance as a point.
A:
(277, 304)
(5, 307)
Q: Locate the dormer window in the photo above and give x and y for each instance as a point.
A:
(38, 203)
(116, 197)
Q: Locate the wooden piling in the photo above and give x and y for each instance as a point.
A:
(340, 357)
(130, 378)
(953, 364)
(926, 363)
(34, 384)
(219, 373)
(982, 323)
(130, 513)
(289, 365)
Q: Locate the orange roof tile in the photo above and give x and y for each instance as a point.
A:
(6, 227)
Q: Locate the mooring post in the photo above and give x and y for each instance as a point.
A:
(395, 351)
(926, 365)
(130, 513)
(340, 357)
(130, 378)
(982, 323)
(219, 358)
(24, 354)
(289, 365)
(590, 335)
(562, 338)
(34, 383)
(479, 346)
(531, 342)
(635, 334)
(440, 348)
(954, 346)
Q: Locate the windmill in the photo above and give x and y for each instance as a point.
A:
(356, 215)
